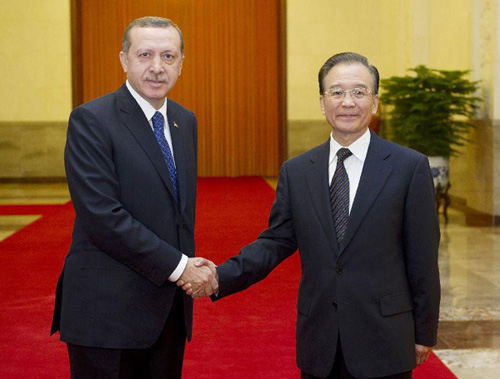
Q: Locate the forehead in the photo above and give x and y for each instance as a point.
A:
(346, 73)
(155, 37)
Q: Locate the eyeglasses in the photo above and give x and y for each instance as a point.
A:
(337, 93)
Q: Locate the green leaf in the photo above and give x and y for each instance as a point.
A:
(425, 110)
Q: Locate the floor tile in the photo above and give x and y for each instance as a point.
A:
(472, 363)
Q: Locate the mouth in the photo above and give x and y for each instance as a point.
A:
(156, 84)
(157, 81)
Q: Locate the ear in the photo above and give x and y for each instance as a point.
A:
(322, 104)
(123, 60)
(375, 104)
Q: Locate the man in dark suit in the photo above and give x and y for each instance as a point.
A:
(131, 164)
(361, 212)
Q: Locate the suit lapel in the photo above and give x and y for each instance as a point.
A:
(178, 147)
(318, 186)
(135, 121)
(376, 171)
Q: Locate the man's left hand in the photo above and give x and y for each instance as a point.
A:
(422, 353)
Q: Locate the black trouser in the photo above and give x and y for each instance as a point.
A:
(340, 371)
(162, 360)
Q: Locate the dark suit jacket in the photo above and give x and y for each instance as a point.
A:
(380, 290)
(129, 231)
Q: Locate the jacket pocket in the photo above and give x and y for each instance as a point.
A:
(394, 304)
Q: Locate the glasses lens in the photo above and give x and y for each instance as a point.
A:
(359, 93)
(337, 93)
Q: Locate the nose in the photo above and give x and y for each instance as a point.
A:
(347, 99)
(156, 65)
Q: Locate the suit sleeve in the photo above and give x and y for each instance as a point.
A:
(95, 191)
(275, 244)
(421, 233)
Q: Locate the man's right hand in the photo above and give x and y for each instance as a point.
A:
(199, 278)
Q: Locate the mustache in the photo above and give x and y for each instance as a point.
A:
(157, 78)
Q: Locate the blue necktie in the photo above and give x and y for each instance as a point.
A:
(339, 194)
(158, 122)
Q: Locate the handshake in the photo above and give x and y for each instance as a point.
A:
(199, 278)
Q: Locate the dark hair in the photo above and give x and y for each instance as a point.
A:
(149, 22)
(347, 58)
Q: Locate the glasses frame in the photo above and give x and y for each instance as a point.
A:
(330, 97)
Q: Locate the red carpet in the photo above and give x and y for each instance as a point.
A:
(248, 335)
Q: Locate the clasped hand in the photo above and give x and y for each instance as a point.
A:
(199, 278)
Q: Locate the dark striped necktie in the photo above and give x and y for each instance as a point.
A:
(339, 194)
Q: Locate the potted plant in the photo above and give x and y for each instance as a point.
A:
(430, 112)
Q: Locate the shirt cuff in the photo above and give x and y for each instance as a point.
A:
(179, 269)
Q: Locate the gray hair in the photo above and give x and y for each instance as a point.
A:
(149, 22)
(347, 58)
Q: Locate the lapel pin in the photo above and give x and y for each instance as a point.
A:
(175, 124)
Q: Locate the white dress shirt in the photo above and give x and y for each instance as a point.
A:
(353, 164)
(149, 112)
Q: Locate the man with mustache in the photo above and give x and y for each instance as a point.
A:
(131, 164)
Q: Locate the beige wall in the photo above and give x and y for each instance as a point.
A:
(316, 30)
(396, 35)
(35, 60)
(35, 87)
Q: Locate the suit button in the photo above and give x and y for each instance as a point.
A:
(335, 304)
(339, 270)
(181, 224)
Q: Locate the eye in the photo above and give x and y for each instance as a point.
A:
(144, 55)
(168, 57)
(358, 92)
(336, 92)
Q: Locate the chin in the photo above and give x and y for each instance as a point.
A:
(349, 127)
(156, 95)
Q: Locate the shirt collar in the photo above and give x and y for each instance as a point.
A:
(147, 108)
(358, 148)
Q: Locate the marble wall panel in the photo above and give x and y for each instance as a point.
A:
(30, 150)
(473, 172)
(303, 135)
(496, 167)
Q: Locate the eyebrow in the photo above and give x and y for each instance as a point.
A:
(153, 48)
(355, 86)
